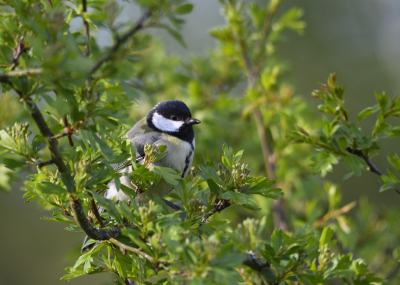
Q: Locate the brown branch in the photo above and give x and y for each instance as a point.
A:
(88, 229)
(218, 207)
(96, 212)
(37, 116)
(67, 132)
(278, 210)
(120, 40)
(77, 210)
(86, 28)
(280, 220)
(18, 51)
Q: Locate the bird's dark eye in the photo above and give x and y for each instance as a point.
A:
(174, 118)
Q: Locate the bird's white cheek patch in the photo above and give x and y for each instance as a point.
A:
(166, 125)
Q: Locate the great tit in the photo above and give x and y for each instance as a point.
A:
(169, 123)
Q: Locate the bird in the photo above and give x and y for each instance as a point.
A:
(168, 123)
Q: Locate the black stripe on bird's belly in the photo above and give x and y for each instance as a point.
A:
(187, 160)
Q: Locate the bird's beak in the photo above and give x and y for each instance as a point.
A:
(192, 121)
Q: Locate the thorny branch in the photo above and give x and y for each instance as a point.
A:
(120, 40)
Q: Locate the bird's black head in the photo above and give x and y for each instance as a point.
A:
(172, 117)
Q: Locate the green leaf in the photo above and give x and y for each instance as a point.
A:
(170, 175)
(15, 165)
(134, 236)
(382, 99)
(184, 9)
(125, 211)
(59, 218)
(174, 33)
(6, 141)
(239, 198)
(213, 187)
(355, 164)
(367, 112)
(326, 236)
(109, 206)
(6, 175)
(277, 239)
(50, 188)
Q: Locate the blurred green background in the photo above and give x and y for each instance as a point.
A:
(359, 40)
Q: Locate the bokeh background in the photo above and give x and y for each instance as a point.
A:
(359, 40)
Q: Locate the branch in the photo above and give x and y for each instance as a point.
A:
(18, 51)
(218, 207)
(120, 40)
(172, 205)
(45, 163)
(96, 212)
(67, 132)
(132, 249)
(20, 73)
(279, 215)
(47, 134)
(371, 166)
(86, 28)
(87, 228)
(256, 263)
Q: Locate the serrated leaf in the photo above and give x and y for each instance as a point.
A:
(239, 198)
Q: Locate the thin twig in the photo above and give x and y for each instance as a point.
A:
(132, 249)
(371, 166)
(20, 73)
(278, 211)
(18, 51)
(172, 205)
(45, 163)
(67, 132)
(120, 40)
(86, 28)
(96, 212)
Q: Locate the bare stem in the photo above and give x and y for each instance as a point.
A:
(86, 28)
(120, 40)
